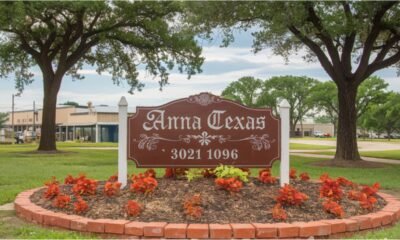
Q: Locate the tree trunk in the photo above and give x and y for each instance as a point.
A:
(334, 128)
(48, 129)
(292, 130)
(389, 133)
(346, 144)
(302, 129)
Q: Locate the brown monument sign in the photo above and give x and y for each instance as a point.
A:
(203, 131)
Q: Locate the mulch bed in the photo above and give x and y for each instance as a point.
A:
(252, 204)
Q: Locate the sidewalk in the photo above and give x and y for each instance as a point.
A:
(368, 159)
(302, 153)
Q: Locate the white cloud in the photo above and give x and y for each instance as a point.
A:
(266, 56)
(149, 96)
(261, 65)
(93, 72)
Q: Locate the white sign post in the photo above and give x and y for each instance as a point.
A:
(285, 130)
(122, 141)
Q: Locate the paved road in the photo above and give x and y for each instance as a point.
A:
(363, 146)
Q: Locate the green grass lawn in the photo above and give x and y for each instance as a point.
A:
(22, 169)
(389, 154)
(86, 144)
(13, 228)
(359, 139)
(315, 138)
(301, 146)
(387, 233)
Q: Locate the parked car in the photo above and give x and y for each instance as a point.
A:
(19, 137)
(392, 136)
(327, 135)
(318, 134)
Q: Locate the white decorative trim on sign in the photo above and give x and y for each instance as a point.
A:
(204, 99)
(150, 142)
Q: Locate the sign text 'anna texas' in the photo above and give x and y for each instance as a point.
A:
(203, 131)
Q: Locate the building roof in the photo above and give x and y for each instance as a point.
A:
(100, 109)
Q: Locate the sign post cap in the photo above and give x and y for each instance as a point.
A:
(284, 104)
(123, 102)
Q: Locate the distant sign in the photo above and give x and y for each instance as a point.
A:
(203, 130)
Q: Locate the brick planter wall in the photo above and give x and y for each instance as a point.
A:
(322, 228)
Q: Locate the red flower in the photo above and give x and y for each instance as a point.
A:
(330, 189)
(229, 184)
(133, 208)
(61, 201)
(288, 195)
(53, 188)
(304, 176)
(278, 213)
(143, 184)
(112, 188)
(192, 206)
(292, 173)
(265, 176)
(85, 186)
(333, 208)
(80, 206)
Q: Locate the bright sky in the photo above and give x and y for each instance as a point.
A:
(222, 66)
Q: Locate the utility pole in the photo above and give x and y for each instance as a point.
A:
(12, 117)
(12, 114)
(34, 116)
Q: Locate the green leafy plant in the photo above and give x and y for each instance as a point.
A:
(223, 171)
(193, 174)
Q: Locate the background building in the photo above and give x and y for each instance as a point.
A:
(91, 123)
(314, 129)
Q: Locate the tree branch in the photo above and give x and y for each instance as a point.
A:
(326, 64)
(382, 64)
(386, 47)
(369, 42)
(79, 52)
(326, 39)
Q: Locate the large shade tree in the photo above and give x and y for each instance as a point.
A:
(61, 37)
(350, 39)
(3, 119)
(372, 91)
(296, 90)
(385, 116)
(246, 90)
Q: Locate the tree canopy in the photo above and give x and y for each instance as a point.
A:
(246, 90)
(3, 119)
(257, 93)
(371, 92)
(350, 39)
(295, 89)
(62, 37)
(70, 103)
(385, 116)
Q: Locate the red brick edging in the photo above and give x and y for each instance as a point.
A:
(34, 213)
